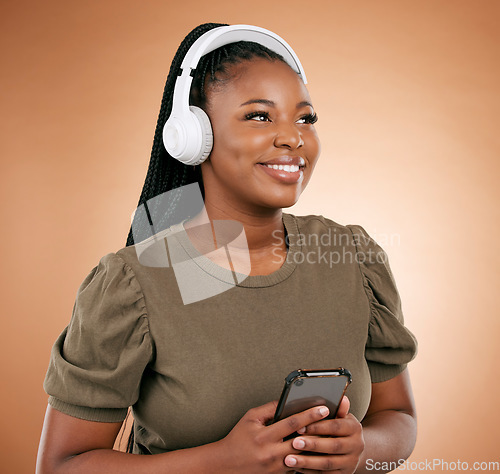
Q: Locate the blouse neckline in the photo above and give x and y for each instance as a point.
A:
(237, 279)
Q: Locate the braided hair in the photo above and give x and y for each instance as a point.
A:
(164, 172)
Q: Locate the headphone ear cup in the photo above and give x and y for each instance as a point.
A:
(207, 137)
(188, 138)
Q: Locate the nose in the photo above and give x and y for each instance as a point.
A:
(288, 136)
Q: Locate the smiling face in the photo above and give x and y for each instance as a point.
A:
(265, 144)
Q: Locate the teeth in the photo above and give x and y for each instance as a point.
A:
(287, 168)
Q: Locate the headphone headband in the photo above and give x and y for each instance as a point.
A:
(223, 35)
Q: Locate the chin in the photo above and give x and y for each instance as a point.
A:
(283, 202)
(289, 204)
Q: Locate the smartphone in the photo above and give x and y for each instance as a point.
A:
(308, 388)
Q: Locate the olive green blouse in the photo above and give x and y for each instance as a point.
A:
(190, 370)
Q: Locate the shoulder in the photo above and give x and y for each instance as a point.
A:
(110, 271)
(352, 240)
(313, 223)
(329, 232)
(149, 253)
(107, 289)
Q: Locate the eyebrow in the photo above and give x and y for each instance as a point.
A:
(270, 103)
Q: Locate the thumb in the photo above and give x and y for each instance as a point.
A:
(264, 413)
(343, 407)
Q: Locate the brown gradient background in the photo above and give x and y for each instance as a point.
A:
(408, 98)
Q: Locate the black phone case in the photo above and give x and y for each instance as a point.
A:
(316, 393)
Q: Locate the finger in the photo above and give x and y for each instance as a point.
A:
(303, 463)
(291, 424)
(344, 406)
(347, 426)
(319, 444)
(311, 471)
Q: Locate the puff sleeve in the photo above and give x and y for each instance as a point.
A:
(97, 362)
(390, 345)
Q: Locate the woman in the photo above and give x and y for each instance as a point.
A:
(201, 372)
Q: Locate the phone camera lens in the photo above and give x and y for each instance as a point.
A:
(299, 382)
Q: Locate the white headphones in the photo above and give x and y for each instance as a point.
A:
(187, 134)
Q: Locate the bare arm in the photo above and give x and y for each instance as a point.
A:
(390, 425)
(70, 445)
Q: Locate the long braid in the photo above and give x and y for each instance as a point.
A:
(163, 170)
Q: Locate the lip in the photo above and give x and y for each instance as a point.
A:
(285, 177)
(285, 160)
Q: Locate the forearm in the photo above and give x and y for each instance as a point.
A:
(389, 437)
(201, 459)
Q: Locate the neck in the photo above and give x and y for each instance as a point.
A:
(263, 229)
(264, 233)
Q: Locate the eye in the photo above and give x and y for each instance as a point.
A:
(309, 118)
(258, 115)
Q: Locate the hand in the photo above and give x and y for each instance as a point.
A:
(341, 441)
(254, 447)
